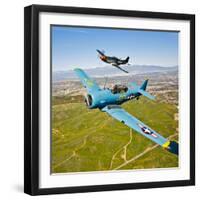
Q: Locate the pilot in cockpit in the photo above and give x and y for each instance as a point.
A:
(119, 89)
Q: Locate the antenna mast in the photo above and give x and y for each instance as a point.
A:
(106, 78)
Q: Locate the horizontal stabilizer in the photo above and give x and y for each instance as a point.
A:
(146, 94)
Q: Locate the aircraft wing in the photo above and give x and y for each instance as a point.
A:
(121, 115)
(121, 68)
(87, 82)
(101, 53)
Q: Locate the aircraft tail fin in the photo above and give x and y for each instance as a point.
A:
(127, 59)
(143, 92)
(144, 85)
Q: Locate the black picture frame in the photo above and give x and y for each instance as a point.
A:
(31, 99)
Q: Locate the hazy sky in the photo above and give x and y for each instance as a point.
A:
(76, 47)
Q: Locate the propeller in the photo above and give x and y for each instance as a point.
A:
(106, 79)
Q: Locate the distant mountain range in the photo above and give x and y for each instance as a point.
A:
(110, 71)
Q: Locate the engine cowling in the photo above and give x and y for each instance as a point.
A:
(88, 100)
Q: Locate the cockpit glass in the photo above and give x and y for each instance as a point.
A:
(119, 89)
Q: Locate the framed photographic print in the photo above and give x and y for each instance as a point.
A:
(109, 100)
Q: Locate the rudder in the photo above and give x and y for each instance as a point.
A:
(127, 59)
(144, 85)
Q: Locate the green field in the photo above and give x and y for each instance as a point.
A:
(90, 140)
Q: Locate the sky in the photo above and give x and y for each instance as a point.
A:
(74, 47)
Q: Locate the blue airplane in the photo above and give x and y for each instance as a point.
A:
(109, 101)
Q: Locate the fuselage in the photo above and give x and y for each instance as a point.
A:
(106, 97)
(112, 60)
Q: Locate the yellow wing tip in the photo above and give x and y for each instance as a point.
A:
(166, 144)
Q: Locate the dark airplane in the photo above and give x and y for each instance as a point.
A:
(113, 60)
